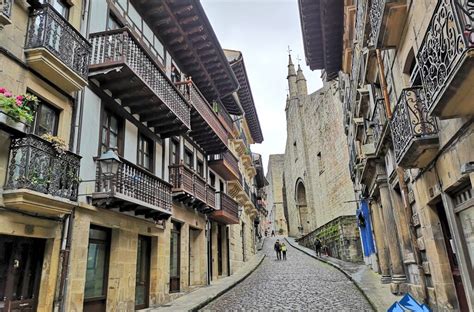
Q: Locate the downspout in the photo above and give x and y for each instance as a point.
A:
(403, 186)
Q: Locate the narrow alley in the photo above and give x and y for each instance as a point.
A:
(300, 283)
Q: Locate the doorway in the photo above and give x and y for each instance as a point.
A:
(453, 261)
(142, 284)
(175, 259)
(194, 265)
(21, 261)
(219, 250)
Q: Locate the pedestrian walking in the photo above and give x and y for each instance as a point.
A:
(277, 248)
(283, 250)
(317, 247)
(273, 233)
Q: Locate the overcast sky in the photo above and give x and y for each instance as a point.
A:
(262, 30)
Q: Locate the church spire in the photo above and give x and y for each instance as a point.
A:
(301, 83)
(291, 77)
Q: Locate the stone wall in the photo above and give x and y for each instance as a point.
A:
(275, 195)
(339, 238)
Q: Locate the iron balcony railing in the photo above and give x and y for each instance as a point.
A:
(360, 24)
(410, 120)
(35, 164)
(118, 47)
(184, 179)
(379, 121)
(449, 37)
(49, 30)
(137, 183)
(375, 19)
(6, 7)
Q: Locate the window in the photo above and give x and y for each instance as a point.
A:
(200, 168)
(212, 179)
(189, 158)
(62, 7)
(145, 152)
(97, 266)
(111, 131)
(174, 152)
(113, 23)
(46, 119)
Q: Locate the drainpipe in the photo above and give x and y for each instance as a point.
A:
(403, 186)
(208, 249)
(61, 283)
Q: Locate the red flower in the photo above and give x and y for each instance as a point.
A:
(19, 97)
(3, 90)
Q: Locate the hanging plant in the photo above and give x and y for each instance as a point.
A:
(20, 108)
(59, 144)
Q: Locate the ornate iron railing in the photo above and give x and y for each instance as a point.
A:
(449, 36)
(226, 203)
(48, 29)
(135, 182)
(6, 7)
(183, 178)
(375, 18)
(120, 46)
(228, 158)
(37, 165)
(352, 160)
(191, 93)
(410, 120)
(360, 24)
(378, 121)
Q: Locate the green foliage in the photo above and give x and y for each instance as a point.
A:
(20, 108)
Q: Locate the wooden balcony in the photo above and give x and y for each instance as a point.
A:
(206, 129)
(133, 191)
(5, 12)
(225, 164)
(446, 60)
(414, 132)
(191, 189)
(123, 66)
(56, 49)
(40, 177)
(227, 209)
(387, 22)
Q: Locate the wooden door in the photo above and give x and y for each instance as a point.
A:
(142, 283)
(453, 261)
(175, 262)
(219, 250)
(21, 260)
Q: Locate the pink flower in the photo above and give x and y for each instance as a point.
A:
(3, 90)
(8, 94)
(19, 102)
(19, 97)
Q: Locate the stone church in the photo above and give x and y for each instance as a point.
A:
(317, 184)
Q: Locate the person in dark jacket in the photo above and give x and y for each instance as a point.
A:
(317, 247)
(277, 248)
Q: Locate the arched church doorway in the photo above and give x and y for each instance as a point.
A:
(302, 206)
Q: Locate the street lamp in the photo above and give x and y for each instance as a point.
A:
(109, 163)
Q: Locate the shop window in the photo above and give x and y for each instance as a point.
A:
(95, 291)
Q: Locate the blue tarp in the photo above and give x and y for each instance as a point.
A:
(365, 226)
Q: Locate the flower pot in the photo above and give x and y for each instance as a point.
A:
(10, 123)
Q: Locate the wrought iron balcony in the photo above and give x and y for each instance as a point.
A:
(414, 132)
(191, 189)
(379, 123)
(122, 65)
(225, 164)
(227, 209)
(5, 12)
(387, 19)
(206, 129)
(133, 191)
(446, 59)
(35, 164)
(56, 49)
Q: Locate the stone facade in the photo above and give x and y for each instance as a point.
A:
(276, 216)
(410, 136)
(317, 182)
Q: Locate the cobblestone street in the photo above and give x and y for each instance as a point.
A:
(300, 283)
